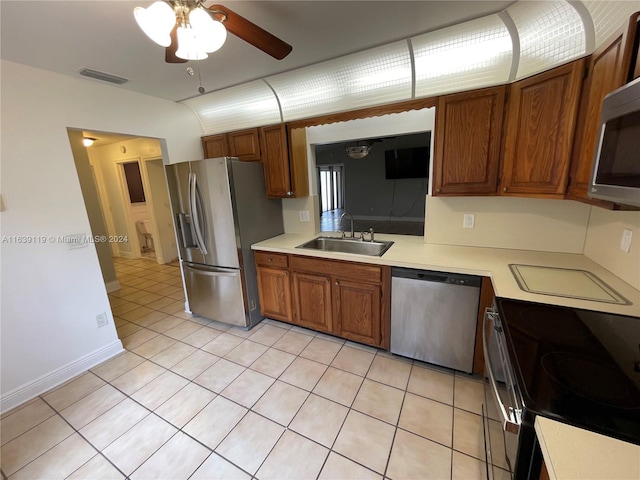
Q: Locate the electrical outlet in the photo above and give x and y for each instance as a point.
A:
(469, 220)
(625, 242)
(101, 319)
(304, 215)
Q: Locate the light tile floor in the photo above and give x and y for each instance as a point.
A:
(192, 398)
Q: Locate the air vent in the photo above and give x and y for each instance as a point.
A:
(105, 77)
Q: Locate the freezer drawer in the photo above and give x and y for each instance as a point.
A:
(215, 293)
(434, 317)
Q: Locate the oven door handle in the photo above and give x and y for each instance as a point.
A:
(510, 421)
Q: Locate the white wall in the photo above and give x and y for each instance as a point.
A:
(508, 222)
(51, 294)
(603, 243)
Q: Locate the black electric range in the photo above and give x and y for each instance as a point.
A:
(577, 366)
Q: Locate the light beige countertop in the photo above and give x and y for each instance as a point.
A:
(573, 453)
(411, 252)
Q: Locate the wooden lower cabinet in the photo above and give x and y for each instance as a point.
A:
(312, 301)
(357, 311)
(347, 299)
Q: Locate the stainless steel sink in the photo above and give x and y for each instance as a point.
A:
(347, 245)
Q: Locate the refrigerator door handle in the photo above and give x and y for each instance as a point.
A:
(194, 202)
(211, 271)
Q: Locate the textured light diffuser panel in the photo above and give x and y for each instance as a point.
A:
(609, 17)
(248, 105)
(373, 77)
(551, 33)
(462, 57)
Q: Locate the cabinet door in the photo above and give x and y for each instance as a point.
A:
(275, 159)
(312, 301)
(215, 146)
(357, 311)
(609, 68)
(541, 118)
(468, 135)
(298, 162)
(245, 144)
(274, 291)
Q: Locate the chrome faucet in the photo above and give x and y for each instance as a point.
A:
(340, 221)
(370, 232)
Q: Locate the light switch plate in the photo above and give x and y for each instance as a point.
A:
(304, 215)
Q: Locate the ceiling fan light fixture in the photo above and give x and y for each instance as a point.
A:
(156, 21)
(210, 34)
(357, 152)
(188, 47)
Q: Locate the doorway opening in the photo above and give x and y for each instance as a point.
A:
(331, 192)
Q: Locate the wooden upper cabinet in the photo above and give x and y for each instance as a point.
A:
(245, 144)
(275, 159)
(468, 136)
(609, 68)
(634, 34)
(540, 124)
(215, 146)
(285, 161)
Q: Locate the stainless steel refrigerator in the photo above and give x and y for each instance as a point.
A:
(220, 208)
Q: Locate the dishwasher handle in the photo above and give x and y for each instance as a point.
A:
(438, 277)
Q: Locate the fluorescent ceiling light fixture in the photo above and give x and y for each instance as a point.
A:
(198, 34)
(88, 141)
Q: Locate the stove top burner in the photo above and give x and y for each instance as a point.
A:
(592, 379)
(552, 323)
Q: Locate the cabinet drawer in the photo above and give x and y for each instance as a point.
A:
(271, 259)
(348, 270)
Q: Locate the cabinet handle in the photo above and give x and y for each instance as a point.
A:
(337, 283)
(437, 190)
(290, 193)
(504, 189)
(270, 260)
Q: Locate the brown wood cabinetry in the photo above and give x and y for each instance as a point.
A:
(312, 307)
(540, 124)
(284, 157)
(347, 299)
(215, 146)
(609, 68)
(244, 144)
(468, 141)
(274, 286)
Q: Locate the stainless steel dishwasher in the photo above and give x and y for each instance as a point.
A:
(434, 316)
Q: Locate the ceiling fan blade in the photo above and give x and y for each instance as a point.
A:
(251, 33)
(170, 51)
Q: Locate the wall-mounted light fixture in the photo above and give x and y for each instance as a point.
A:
(88, 141)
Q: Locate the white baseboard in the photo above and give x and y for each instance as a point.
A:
(127, 255)
(26, 392)
(112, 286)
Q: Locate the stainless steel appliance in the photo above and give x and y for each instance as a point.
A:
(575, 366)
(434, 316)
(616, 169)
(220, 208)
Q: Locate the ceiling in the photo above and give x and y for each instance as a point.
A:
(66, 36)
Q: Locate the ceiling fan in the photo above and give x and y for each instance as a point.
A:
(190, 31)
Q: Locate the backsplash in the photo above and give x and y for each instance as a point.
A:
(604, 235)
(508, 222)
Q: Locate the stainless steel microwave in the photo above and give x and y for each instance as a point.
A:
(616, 169)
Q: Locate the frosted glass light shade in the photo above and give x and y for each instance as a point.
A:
(209, 34)
(188, 46)
(473, 54)
(551, 33)
(248, 105)
(609, 16)
(157, 21)
(373, 77)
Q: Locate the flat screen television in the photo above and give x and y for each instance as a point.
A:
(406, 163)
